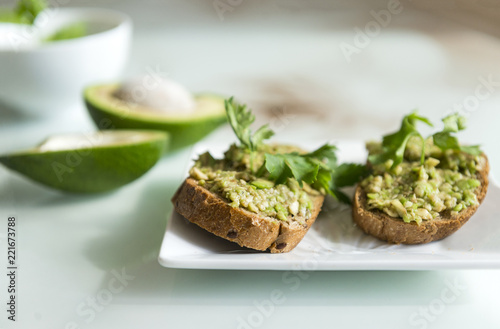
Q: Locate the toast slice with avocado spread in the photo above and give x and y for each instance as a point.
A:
(261, 196)
(420, 190)
(226, 199)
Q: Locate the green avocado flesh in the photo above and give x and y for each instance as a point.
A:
(109, 112)
(90, 163)
(447, 182)
(232, 179)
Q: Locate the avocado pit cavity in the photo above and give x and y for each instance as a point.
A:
(157, 95)
(87, 141)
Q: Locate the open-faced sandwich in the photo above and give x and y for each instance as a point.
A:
(261, 196)
(420, 189)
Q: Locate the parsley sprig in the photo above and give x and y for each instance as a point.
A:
(394, 145)
(446, 141)
(318, 168)
(240, 118)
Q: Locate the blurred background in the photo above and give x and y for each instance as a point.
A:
(353, 67)
(317, 70)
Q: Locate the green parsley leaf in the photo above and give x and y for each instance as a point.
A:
(325, 156)
(240, 118)
(348, 174)
(323, 181)
(341, 196)
(394, 145)
(331, 177)
(471, 149)
(260, 135)
(445, 141)
(451, 123)
(206, 160)
(291, 165)
(318, 168)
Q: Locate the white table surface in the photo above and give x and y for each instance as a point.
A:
(71, 247)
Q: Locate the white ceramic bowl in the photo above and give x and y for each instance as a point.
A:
(46, 78)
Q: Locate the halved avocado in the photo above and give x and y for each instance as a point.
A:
(89, 163)
(110, 112)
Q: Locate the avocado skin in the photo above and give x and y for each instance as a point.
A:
(182, 133)
(75, 171)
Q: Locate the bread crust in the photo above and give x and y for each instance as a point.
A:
(394, 230)
(214, 214)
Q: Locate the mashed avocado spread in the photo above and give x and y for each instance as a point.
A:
(232, 179)
(446, 182)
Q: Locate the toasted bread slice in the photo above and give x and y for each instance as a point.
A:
(214, 214)
(394, 230)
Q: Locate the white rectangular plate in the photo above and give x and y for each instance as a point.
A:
(334, 242)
